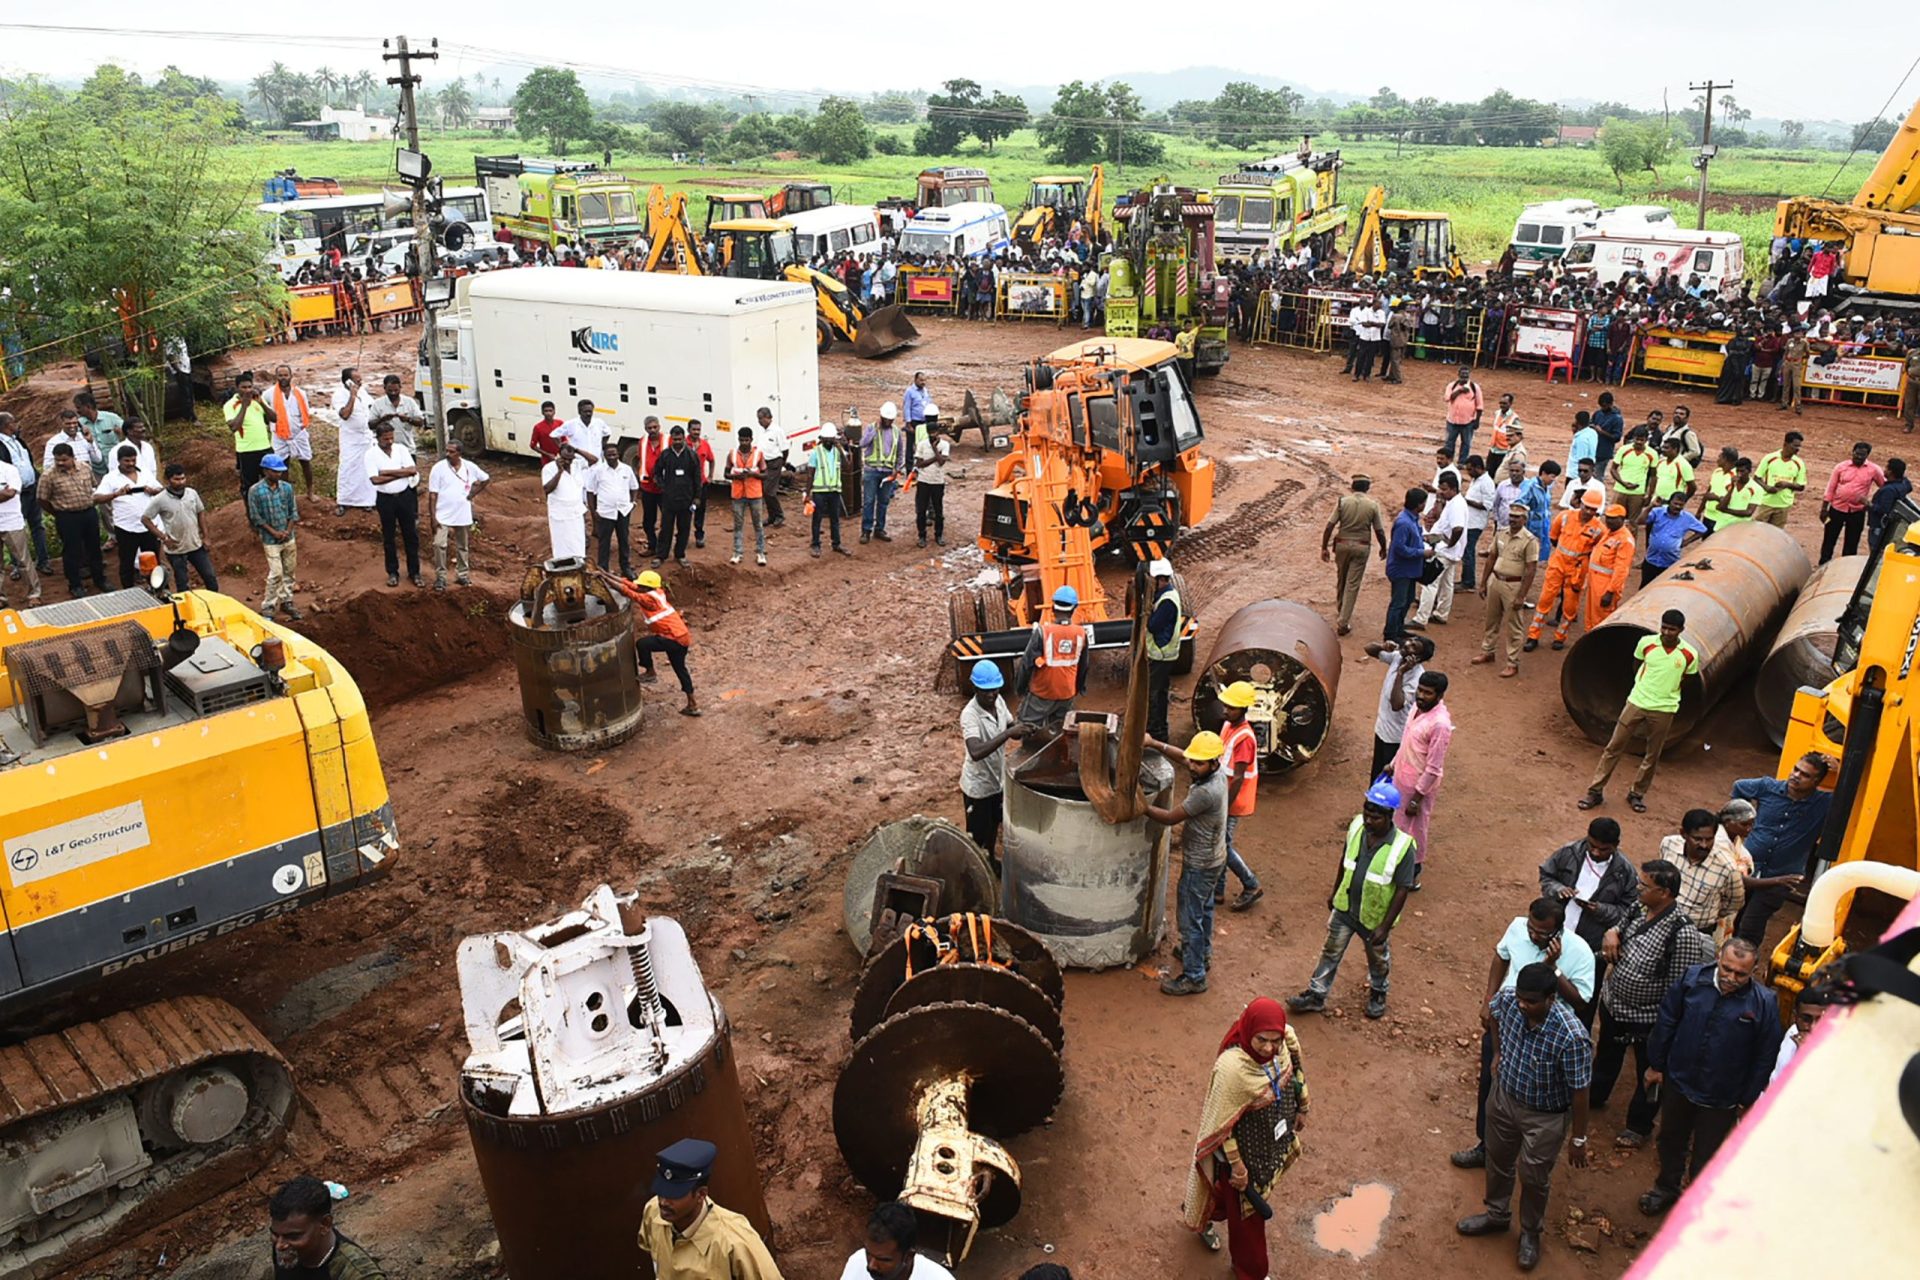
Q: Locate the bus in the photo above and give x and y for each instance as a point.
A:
(538, 200)
(1270, 207)
(374, 227)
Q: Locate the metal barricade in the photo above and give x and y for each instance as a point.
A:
(1678, 355)
(927, 289)
(1033, 297)
(1289, 319)
(395, 298)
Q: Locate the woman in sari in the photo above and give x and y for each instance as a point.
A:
(1249, 1134)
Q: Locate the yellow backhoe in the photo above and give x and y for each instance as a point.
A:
(671, 243)
(1407, 241)
(1055, 203)
(763, 249)
(1878, 230)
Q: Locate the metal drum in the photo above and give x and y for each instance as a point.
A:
(1803, 655)
(572, 638)
(594, 1046)
(1095, 894)
(1291, 656)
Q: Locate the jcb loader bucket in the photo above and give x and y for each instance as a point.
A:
(885, 329)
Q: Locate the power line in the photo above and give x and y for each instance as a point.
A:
(1862, 136)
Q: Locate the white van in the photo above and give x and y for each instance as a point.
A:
(1610, 252)
(836, 229)
(967, 230)
(1547, 230)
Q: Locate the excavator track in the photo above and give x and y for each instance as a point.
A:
(109, 1127)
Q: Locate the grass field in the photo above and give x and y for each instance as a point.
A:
(1482, 188)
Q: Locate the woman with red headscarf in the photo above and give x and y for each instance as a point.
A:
(1249, 1134)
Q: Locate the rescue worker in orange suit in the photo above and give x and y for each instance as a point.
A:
(1055, 664)
(666, 633)
(1574, 533)
(1608, 566)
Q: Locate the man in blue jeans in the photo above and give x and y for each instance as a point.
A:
(1203, 853)
(883, 459)
(1406, 557)
(1376, 872)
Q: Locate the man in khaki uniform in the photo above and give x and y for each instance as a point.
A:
(1510, 569)
(1793, 366)
(1346, 542)
(687, 1235)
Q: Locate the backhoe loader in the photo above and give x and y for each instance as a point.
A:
(763, 249)
(1406, 241)
(1055, 203)
(670, 234)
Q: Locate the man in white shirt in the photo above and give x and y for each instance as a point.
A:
(71, 432)
(1479, 496)
(610, 486)
(13, 529)
(892, 1230)
(1582, 484)
(452, 486)
(396, 496)
(145, 457)
(1808, 1008)
(1448, 539)
(583, 433)
(563, 481)
(126, 490)
(400, 412)
(351, 405)
(1369, 326)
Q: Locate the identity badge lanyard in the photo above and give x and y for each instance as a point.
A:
(1273, 1083)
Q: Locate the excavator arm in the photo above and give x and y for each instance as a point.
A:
(669, 226)
(1368, 241)
(1096, 199)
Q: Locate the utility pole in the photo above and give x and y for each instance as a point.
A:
(1707, 149)
(422, 225)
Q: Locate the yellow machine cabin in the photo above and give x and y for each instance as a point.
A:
(1408, 241)
(170, 772)
(1879, 229)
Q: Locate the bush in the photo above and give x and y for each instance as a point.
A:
(887, 144)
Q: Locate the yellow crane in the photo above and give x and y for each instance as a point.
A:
(1879, 229)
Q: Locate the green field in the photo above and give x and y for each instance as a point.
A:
(1482, 188)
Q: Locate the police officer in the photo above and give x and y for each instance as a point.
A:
(687, 1235)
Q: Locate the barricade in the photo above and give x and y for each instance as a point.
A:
(1453, 333)
(312, 308)
(1858, 378)
(1688, 356)
(397, 298)
(928, 289)
(1033, 297)
(1289, 319)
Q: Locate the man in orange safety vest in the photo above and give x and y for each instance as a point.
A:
(666, 633)
(1055, 663)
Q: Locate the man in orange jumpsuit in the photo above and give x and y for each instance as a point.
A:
(1574, 533)
(1607, 567)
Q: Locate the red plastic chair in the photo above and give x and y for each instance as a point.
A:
(1559, 362)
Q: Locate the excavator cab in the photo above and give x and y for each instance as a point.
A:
(764, 249)
(733, 207)
(1420, 244)
(754, 248)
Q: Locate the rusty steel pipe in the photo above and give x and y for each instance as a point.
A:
(1292, 655)
(1803, 655)
(1735, 587)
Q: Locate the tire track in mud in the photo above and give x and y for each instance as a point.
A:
(1281, 506)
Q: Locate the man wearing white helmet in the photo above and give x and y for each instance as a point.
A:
(883, 459)
(1166, 626)
(825, 462)
(1055, 663)
(931, 449)
(986, 726)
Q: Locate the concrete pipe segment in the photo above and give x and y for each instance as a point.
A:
(1735, 587)
(1291, 655)
(1803, 655)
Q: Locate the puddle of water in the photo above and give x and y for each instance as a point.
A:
(1354, 1223)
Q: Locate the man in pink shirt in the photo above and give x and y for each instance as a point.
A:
(1844, 505)
(1464, 406)
(1422, 761)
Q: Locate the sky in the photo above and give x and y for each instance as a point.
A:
(1627, 50)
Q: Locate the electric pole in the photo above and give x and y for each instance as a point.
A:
(1707, 149)
(424, 255)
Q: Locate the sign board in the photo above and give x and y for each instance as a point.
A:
(1545, 331)
(929, 288)
(1875, 374)
(1340, 304)
(78, 842)
(1033, 297)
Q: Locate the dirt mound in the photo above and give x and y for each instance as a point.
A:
(36, 403)
(398, 644)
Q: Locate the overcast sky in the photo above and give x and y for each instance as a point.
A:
(1627, 50)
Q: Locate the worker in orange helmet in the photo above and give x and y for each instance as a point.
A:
(1574, 533)
(1607, 567)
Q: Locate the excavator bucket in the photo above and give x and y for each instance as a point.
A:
(885, 329)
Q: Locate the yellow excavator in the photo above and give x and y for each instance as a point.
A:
(763, 249)
(173, 770)
(1055, 203)
(1879, 229)
(1408, 241)
(671, 243)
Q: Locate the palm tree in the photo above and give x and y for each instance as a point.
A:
(456, 105)
(326, 80)
(265, 90)
(363, 83)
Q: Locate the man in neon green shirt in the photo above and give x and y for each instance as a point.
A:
(1672, 473)
(1665, 662)
(1781, 476)
(1628, 470)
(1738, 501)
(248, 417)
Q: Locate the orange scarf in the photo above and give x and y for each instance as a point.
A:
(281, 427)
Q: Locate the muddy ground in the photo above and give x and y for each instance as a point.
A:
(822, 722)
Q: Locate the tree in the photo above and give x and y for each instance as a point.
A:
(1245, 115)
(363, 84)
(1507, 121)
(551, 104)
(169, 243)
(1791, 133)
(950, 118)
(1070, 131)
(1872, 135)
(999, 117)
(456, 105)
(892, 107)
(840, 134)
(1634, 146)
(1731, 112)
(692, 125)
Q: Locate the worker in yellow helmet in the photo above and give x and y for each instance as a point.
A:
(1243, 781)
(1203, 851)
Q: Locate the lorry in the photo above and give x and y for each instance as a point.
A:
(636, 344)
(537, 200)
(953, 184)
(1269, 208)
(1877, 232)
(1613, 251)
(1162, 272)
(1545, 231)
(173, 771)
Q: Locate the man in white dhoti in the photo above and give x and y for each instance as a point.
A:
(562, 479)
(351, 487)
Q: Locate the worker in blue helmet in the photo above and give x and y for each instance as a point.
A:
(687, 1235)
(1055, 663)
(986, 726)
(1370, 888)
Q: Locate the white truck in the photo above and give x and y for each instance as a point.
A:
(634, 343)
(1612, 251)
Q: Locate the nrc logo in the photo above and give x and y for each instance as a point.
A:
(591, 341)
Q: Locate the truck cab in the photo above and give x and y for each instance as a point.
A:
(954, 184)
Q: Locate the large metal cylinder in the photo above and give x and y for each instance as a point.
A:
(1291, 656)
(1735, 588)
(595, 1046)
(1803, 654)
(1095, 893)
(572, 639)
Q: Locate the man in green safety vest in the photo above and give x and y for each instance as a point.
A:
(1166, 624)
(824, 494)
(1376, 872)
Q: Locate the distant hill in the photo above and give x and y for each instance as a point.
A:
(1161, 89)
